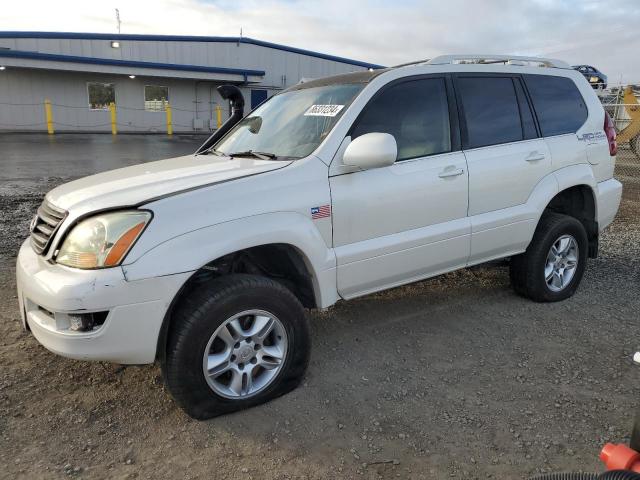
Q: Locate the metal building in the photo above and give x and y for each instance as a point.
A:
(80, 76)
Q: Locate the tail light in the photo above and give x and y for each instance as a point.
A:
(611, 134)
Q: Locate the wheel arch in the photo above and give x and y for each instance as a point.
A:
(284, 246)
(579, 201)
(282, 262)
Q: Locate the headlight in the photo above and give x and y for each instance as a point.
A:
(594, 79)
(103, 240)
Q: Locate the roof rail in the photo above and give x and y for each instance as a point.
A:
(489, 59)
(415, 62)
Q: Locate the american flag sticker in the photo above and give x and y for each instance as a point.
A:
(323, 211)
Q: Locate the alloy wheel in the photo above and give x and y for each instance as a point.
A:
(245, 354)
(562, 261)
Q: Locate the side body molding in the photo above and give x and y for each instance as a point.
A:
(193, 250)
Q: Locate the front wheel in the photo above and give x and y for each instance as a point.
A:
(551, 268)
(236, 342)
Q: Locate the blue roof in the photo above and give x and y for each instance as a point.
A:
(127, 63)
(184, 38)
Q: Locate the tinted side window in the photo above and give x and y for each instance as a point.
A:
(490, 110)
(558, 104)
(416, 113)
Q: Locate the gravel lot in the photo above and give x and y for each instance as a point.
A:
(454, 377)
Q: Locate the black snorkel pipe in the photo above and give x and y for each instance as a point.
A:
(234, 95)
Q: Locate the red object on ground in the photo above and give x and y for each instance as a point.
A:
(620, 457)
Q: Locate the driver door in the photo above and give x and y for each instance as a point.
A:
(408, 221)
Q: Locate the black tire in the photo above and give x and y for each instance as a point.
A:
(197, 317)
(527, 269)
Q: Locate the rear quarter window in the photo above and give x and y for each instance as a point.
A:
(558, 104)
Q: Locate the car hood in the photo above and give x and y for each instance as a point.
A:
(141, 183)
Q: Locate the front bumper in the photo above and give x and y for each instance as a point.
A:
(49, 293)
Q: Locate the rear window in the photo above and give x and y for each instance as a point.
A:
(491, 111)
(558, 104)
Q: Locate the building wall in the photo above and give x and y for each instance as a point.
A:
(24, 90)
(274, 62)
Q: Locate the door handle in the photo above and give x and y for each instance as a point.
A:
(454, 172)
(535, 156)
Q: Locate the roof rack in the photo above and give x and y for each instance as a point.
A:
(415, 62)
(491, 59)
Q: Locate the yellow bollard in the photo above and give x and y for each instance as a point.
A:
(169, 124)
(114, 127)
(219, 115)
(48, 116)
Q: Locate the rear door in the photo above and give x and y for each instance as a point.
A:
(506, 160)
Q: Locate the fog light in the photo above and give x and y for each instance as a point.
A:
(81, 322)
(86, 322)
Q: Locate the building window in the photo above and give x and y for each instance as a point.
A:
(155, 98)
(101, 95)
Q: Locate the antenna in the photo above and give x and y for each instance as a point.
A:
(118, 19)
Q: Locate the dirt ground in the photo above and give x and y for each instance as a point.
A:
(453, 377)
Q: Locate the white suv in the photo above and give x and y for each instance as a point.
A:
(330, 190)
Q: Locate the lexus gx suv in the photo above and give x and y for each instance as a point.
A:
(330, 190)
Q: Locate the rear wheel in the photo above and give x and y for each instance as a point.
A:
(236, 342)
(551, 268)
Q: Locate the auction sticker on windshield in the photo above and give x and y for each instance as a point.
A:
(323, 110)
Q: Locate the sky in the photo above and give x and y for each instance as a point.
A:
(602, 33)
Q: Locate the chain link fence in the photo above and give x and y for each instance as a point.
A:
(628, 170)
(623, 105)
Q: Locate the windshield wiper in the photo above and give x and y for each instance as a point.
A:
(253, 153)
(212, 151)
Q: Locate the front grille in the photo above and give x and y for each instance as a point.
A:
(45, 224)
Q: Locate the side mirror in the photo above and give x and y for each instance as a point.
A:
(371, 150)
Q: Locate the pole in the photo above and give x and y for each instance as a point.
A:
(48, 116)
(114, 127)
(218, 116)
(169, 124)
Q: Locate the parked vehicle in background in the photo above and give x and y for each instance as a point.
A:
(595, 77)
(332, 189)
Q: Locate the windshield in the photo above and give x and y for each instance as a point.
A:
(291, 124)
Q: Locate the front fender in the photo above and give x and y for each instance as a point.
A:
(192, 250)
